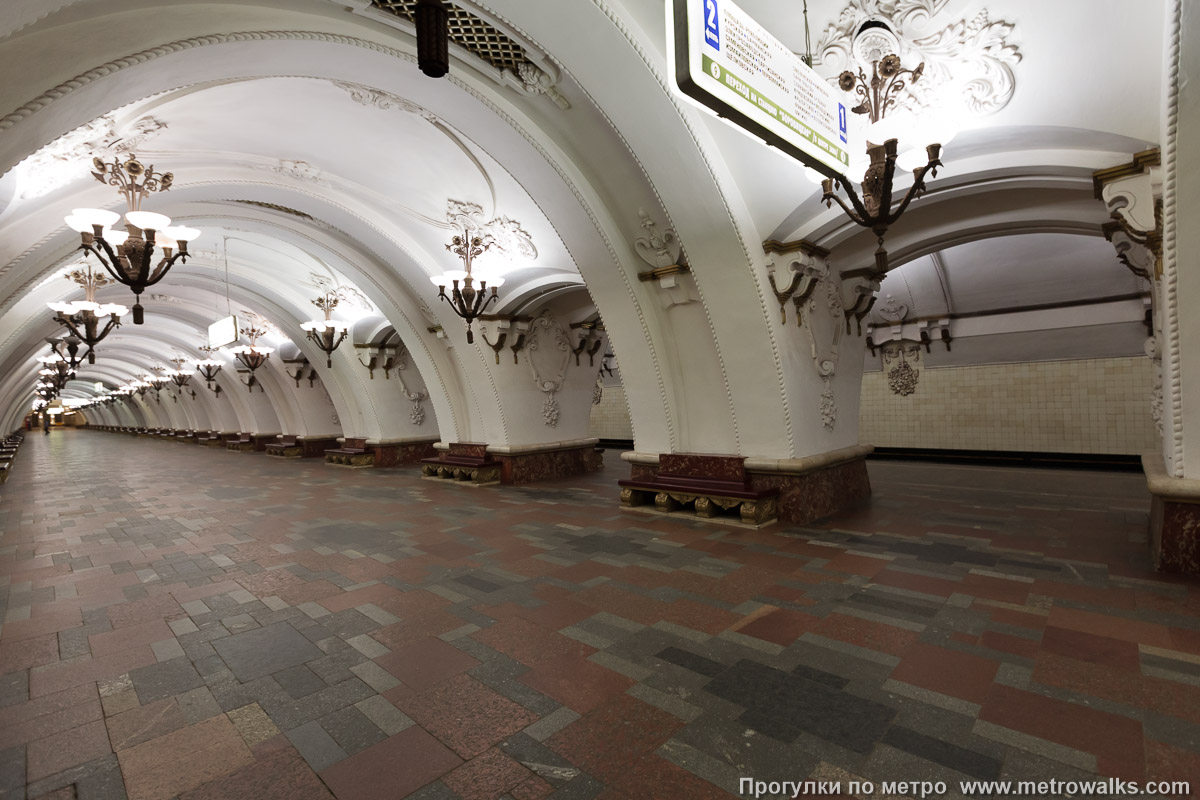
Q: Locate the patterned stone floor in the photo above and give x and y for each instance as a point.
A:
(186, 622)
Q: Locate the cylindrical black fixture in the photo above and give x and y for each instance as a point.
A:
(433, 37)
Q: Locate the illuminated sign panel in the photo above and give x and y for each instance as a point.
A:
(727, 62)
(223, 332)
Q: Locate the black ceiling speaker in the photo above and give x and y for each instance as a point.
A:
(433, 37)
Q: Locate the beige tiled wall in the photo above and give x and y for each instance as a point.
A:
(610, 419)
(1088, 406)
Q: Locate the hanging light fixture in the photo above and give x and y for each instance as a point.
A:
(69, 344)
(83, 317)
(468, 302)
(129, 255)
(328, 333)
(875, 46)
(209, 367)
(252, 355)
(433, 37)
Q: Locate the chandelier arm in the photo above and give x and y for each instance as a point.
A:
(858, 214)
(109, 267)
(161, 270)
(885, 196)
(916, 190)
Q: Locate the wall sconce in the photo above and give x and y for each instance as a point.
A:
(299, 375)
(519, 326)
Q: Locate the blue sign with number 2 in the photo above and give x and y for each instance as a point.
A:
(712, 27)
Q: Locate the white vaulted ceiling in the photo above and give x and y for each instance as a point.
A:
(306, 133)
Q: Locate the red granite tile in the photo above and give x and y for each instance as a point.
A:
(529, 643)
(963, 675)
(66, 749)
(1129, 630)
(1026, 648)
(412, 604)
(103, 583)
(416, 629)
(278, 774)
(1171, 698)
(310, 592)
(157, 607)
(269, 583)
(1007, 616)
(1095, 680)
(865, 633)
(394, 768)
(575, 682)
(557, 614)
(465, 715)
(46, 716)
(183, 760)
(781, 626)
(611, 740)
(426, 663)
(63, 675)
(131, 636)
(1116, 741)
(486, 777)
(658, 778)
(1185, 640)
(1165, 762)
(32, 652)
(699, 616)
(370, 594)
(46, 623)
(623, 604)
(533, 789)
(1091, 648)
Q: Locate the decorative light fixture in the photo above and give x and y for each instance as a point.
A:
(468, 302)
(252, 355)
(433, 37)
(209, 367)
(71, 345)
(83, 317)
(180, 376)
(129, 255)
(876, 45)
(328, 333)
(55, 371)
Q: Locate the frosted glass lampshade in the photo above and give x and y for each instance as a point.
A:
(111, 308)
(96, 216)
(115, 238)
(182, 233)
(77, 224)
(148, 220)
(440, 281)
(165, 242)
(493, 281)
(312, 325)
(266, 351)
(454, 275)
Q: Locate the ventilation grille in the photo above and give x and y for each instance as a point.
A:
(469, 32)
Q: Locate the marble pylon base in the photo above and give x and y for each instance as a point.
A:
(394, 452)
(1174, 519)
(521, 464)
(810, 488)
(513, 464)
(315, 446)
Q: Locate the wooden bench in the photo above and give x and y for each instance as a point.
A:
(286, 447)
(464, 462)
(242, 444)
(707, 487)
(352, 453)
(213, 439)
(5, 467)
